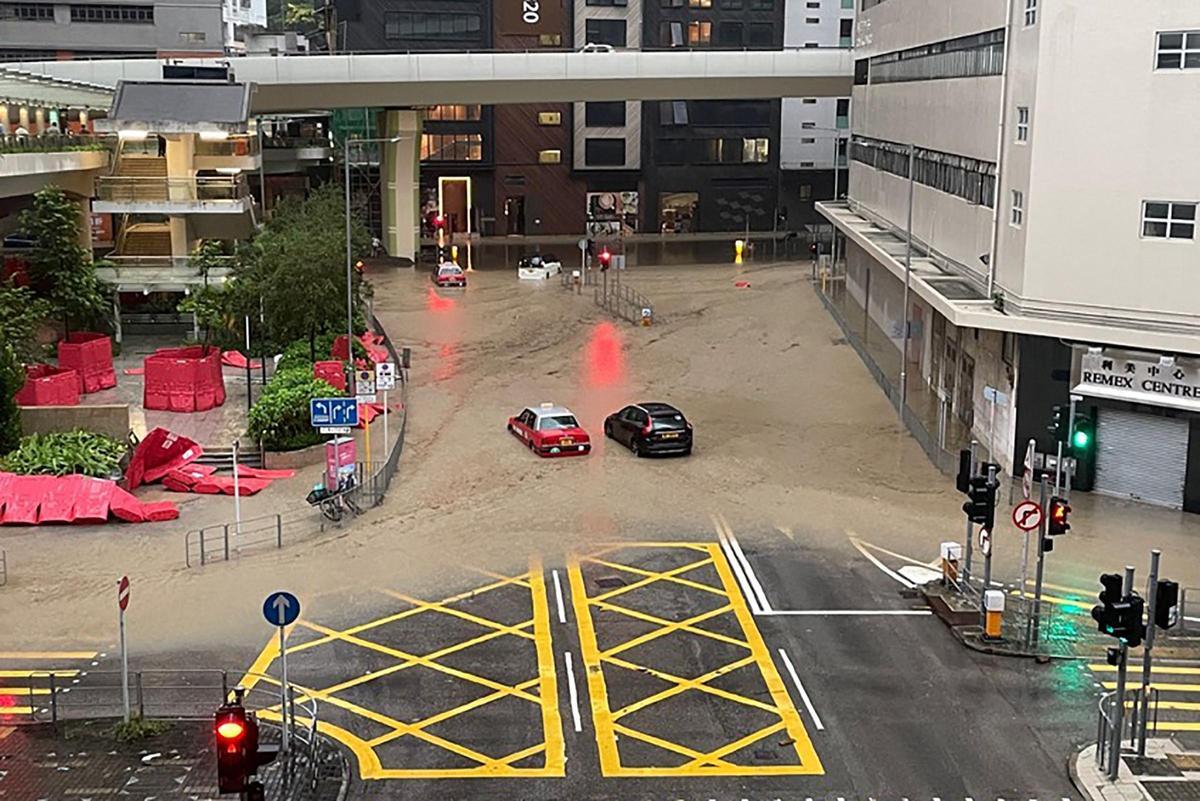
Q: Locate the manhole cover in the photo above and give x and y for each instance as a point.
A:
(1185, 761)
(1173, 790)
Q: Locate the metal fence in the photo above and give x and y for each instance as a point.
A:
(622, 300)
(3, 567)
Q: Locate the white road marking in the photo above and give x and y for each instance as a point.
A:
(574, 693)
(808, 704)
(859, 545)
(558, 597)
(845, 612)
(742, 581)
(763, 604)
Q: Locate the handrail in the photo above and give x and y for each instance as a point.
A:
(232, 147)
(49, 143)
(151, 189)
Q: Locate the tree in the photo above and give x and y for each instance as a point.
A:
(21, 313)
(208, 256)
(297, 268)
(210, 306)
(60, 268)
(12, 378)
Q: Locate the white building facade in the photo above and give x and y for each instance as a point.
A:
(1053, 208)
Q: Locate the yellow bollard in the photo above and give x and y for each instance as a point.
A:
(454, 253)
(739, 246)
(993, 608)
(951, 553)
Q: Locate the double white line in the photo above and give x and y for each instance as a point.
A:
(751, 587)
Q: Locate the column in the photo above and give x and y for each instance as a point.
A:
(401, 183)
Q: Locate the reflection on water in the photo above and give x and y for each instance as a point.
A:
(604, 361)
(438, 304)
(449, 362)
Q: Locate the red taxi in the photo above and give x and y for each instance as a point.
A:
(550, 430)
(449, 274)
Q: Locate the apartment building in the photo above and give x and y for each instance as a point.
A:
(814, 132)
(1035, 148)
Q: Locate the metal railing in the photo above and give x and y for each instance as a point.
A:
(296, 142)
(1189, 607)
(166, 262)
(1129, 723)
(622, 300)
(49, 143)
(123, 188)
(3, 567)
(231, 147)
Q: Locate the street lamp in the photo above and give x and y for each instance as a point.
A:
(349, 246)
(837, 147)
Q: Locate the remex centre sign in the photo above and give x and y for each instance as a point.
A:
(1137, 377)
(529, 17)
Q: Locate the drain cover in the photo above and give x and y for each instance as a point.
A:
(1185, 761)
(1173, 790)
(1147, 766)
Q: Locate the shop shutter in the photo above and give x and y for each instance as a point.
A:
(1141, 456)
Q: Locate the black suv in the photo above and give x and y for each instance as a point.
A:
(647, 428)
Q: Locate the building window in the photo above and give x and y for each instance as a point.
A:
(549, 156)
(756, 150)
(729, 34)
(762, 5)
(699, 3)
(731, 5)
(699, 33)
(845, 32)
(114, 14)
(806, 164)
(762, 34)
(422, 25)
(812, 45)
(1008, 348)
(1164, 219)
(27, 12)
(809, 101)
(671, 34)
(452, 147)
(550, 40)
(1178, 50)
(807, 140)
(607, 2)
(673, 112)
(806, 191)
(549, 118)
(813, 5)
(457, 113)
(964, 57)
(812, 20)
(193, 36)
(604, 152)
(1030, 12)
(807, 125)
(1018, 208)
(970, 179)
(1022, 123)
(605, 31)
(677, 212)
(604, 115)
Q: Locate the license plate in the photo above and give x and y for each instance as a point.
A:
(566, 441)
(670, 436)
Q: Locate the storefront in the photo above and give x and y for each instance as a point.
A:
(1147, 421)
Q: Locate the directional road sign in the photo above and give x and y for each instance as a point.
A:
(333, 412)
(123, 593)
(281, 608)
(1027, 515)
(985, 541)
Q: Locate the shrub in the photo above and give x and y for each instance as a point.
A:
(280, 417)
(59, 454)
(300, 353)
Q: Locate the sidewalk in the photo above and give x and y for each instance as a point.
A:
(83, 760)
(1170, 771)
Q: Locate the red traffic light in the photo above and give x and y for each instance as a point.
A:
(605, 256)
(439, 221)
(1059, 516)
(231, 730)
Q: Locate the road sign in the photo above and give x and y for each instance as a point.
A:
(335, 429)
(1027, 515)
(985, 542)
(385, 376)
(582, 243)
(1027, 477)
(364, 382)
(333, 412)
(366, 398)
(123, 593)
(281, 608)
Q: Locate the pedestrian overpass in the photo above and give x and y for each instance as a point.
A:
(396, 80)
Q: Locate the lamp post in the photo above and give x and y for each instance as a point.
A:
(837, 147)
(912, 152)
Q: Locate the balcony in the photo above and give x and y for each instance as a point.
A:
(236, 152)
(292, 153)
(27, 163)
(120, 194)
(158, 273)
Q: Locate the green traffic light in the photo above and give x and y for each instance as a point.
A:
(1081, 439)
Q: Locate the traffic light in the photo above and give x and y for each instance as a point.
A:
(232, 728)
(981, 502)
(1119, 615)
(605, 258)
(1058, 520)
(1058, 424)
(1083, 448)
(1166, 604)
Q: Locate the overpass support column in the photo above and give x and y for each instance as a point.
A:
(401, 182)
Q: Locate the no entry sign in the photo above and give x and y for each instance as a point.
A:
(1027, 515)
(123, 593)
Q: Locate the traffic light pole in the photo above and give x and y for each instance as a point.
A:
(987, 554)
(1041, 565)
(1118, 707)
(966, 573)
(1151, 598)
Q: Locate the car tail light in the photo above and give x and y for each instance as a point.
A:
(647, 428)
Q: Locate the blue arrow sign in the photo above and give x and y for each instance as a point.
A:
(333, 412)
(281, 608)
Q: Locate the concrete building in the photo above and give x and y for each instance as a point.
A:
(1053, 225)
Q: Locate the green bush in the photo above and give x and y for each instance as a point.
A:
(59, 454)
(299, 352)
(280, 417)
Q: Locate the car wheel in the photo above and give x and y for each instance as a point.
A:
(634, 448)
(608, 429)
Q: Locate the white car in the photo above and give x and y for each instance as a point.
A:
(538, 267)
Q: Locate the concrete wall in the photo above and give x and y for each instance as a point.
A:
(112, 421)
(900, 24)
(177, 28)
(26, 173)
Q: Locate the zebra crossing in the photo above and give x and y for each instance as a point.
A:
(1175, 693)
(28, 678)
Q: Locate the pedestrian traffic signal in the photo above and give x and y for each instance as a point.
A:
(1166, 604)
(605, 258)
(1058, 424)
(1058, 517)
(981, 502)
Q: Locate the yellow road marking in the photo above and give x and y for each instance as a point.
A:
(8, 690)
(606, 719)
(1182, 706)
(449, 610)
(1094, 591)
(682, 625)
(1175, 725)
(47, 654)
(36, 674)
(16, 710)
(1160, 686)
(1172, 669)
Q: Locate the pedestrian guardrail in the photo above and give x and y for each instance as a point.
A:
(622, 301)
(3, 567)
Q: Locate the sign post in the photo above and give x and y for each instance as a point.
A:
(281, 609)
(1041, 565)
(122, 605)
(1151, 604)
(1027, 516)
(985, 545)
(364, 388)
(237, 501)
(385, 380)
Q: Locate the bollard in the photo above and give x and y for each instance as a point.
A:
(993, 605)
(739, 246)
(951, 554)
(647, 316)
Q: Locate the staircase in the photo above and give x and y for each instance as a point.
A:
(142, 167)
(139, 170)
(146, 240)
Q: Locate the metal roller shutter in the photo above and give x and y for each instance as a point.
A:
(1141, 456)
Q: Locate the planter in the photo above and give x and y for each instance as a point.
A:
(47, 385)
(90, 356)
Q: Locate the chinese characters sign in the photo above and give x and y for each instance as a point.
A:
(1138, 377)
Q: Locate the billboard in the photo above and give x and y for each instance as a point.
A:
(529, 17)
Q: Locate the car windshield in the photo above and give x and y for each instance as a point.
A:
(558, 421)
(450, 270)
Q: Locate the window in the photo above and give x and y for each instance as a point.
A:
(604, 115)
(762, 5)
(699, 33)
(812, 20)
(677, 212)
(1008, 348)
(607, 2)
(762, 34)
(1030, 12)
(845, 32)
(671, 34)
(729, 34)
(806, 191)
(114, 14)
(192, 36)
(809, 101)
(549, 118)
(808, 140)
(731, 5)
(1164, 219)
(605, 31)
(756, 151)
(673, 112)
(422, 25)
(549, 156)
(964, 57)
(699, 3)
(27, 12)
(805, 164)
(813, 5)
(1018, 208)
(808, 125)
(1022, 123)
(812, 45)
(452, 147)
(453, 113)
(549, 40)
(604, 152)
(970, 179)
(671, 3)
(1178, 50)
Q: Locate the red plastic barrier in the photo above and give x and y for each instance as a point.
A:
(126, 507)
(24, 497)
(4, 479)
(214, 485)
(92, 499)
(258, 472)
(234, 358)
(332, 373)
(158, 511)
(173, 484)
(58, 500)
(47, 385)
(375, 351)
(183, 380)
(158, 454)
(90, 356)
(188, 476)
